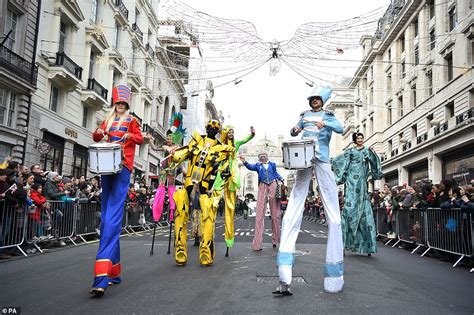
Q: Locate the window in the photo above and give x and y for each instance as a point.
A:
(432, 39)
(452, 20)
(390, 145)
(414, 133)
(11, 21)
(389, 114)
(429, 118)
(152, 169)
(134, 52)
(54, 99)
(431, 8)
(402, 44)
(371, 125)
(95, 3)
(449, 110)
(53, 160)
(413, 95)
(400, 106)
(117, 36)
(449, 66)
(429, 79)
(79, 166)
(5, 150)
(7, 108)
(389, 83)
(62, 37)
(389, 55)
(415, 28)
(85, 116)
(91, 65)
(117, 77)
(417, 56)
(403, 69)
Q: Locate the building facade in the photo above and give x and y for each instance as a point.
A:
(18, 73)
(84, 49)
(414, 91)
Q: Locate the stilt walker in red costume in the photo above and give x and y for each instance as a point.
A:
(118, 127)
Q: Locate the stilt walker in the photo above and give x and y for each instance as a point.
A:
(316, 124)
(118, 127)
(231, 183)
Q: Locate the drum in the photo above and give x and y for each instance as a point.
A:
(298, 154)
(105, 158)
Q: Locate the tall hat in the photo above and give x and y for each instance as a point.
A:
(324, 92)
(121, 93)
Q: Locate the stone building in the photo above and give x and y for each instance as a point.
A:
(18, 73)
(414, 91)
(84, 49)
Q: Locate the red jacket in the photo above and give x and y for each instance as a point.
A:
(39, 201)
(130, 126)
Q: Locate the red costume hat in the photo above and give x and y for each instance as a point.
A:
(121, 93)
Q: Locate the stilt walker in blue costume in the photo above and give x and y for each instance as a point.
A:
(318, 125)
(118, 127)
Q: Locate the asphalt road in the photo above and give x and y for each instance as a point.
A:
(390, 282)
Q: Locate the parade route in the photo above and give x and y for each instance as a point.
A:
(391, 282)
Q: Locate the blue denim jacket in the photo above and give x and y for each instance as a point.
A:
(264, 175)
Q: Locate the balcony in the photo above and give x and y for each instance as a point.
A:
(394, 153)
(95, 95)
(465, 117)
(122, 10)
(65, 72)
(17, 66)
(406, 146)
(441, 128)
(422, 138)
(138, 32)
(149, 50)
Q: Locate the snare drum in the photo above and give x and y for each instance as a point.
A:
(105, 158)
(298, 154)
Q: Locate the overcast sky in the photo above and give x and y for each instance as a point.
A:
(272, 103)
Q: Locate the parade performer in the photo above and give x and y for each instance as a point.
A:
(267, 185)
(205, 153)
(121, 128)
(175, 136)
(232, 182)
(316, 124)
(353, 168)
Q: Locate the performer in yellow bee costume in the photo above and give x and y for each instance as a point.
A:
(205, 153)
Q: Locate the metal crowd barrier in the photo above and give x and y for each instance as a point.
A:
(450, 230)
(12, 226)
(386, 225)
(65, 220)
(447, 230)
(411, 227)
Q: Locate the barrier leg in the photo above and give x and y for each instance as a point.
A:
(398, 241)
(427, 250)
(413, 251)
(458, 261)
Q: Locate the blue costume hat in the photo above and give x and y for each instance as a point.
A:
(324, 92)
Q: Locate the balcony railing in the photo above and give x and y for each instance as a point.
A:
(93, 85)
(137, 30)
(465, 116)
(18, 66)
(63, 60)
(394, 153)
(150, 50)
(421, 138)
(122, 8)
(406, 146)
(441, 128)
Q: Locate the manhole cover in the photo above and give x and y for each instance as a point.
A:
(275, 280)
